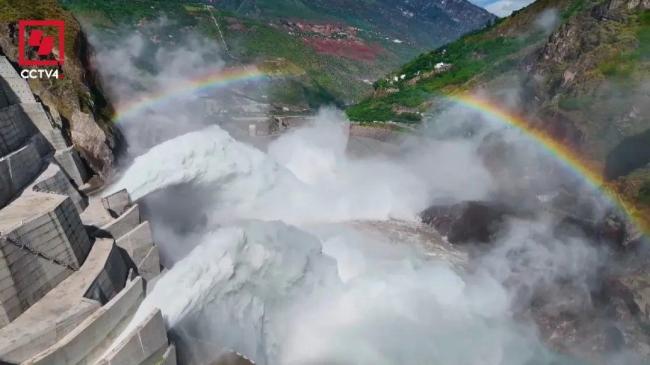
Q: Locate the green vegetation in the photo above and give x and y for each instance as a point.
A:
(625, 62)
(620, 66)
(317, 79)
(574, 8)
(382, 20)
(575, 103)
(12, 10)
(129, 11)
(472, 55)
(255, 31)
(278, 8)
(371, 110)
(644, 193)
(643, 35)
(622, 54)
(480, 55)
(592, 91)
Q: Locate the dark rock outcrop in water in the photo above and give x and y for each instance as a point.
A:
(468, 221)
(481, 222)
(632, 291)
(601, 317)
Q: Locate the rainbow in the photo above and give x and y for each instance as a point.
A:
(212, 80)
(588, 171)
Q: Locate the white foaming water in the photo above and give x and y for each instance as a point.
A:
(306, 177)
(282, 295)
(268, 291)
(238, 283)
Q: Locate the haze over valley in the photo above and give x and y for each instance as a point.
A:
(354, 182)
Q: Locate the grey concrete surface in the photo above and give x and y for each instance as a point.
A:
(123, 224)
(19, 168)
(63, 299)
(42, 241)
(88, 342)
(14, 129)
(71, 164)
(53, 180)
(169, 357)
(139, 244)
(58, 312)
(15, 89)
(95, 215)
(117, 203)
(147, 343)
(37, 116)
(111, 279)
(48, 224)
(149, 266)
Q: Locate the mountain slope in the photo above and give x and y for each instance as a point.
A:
(424, 23)
(486, 54)
(334, 46)
(581, 68)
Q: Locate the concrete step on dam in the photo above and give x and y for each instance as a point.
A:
(73, 268)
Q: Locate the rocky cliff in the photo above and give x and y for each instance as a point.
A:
(75, 102)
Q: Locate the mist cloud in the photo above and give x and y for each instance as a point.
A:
(140, 66)
(345, 295)
(279, 269)
(548, 20)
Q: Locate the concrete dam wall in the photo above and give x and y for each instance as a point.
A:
(73, 269)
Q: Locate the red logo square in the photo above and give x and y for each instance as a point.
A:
(31, 34)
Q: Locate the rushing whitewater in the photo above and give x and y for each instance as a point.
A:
(306, 176)
(284, 273)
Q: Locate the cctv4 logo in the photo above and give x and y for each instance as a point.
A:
(35, 39)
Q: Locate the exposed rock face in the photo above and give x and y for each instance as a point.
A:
(629, 4)
(90, 140)
(466, 222)
(75, 102)
(578, 78)
(626, 298)
(611, 231)
(634, 290)
(589, 85)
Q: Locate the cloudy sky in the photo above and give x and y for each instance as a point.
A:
(502, 7)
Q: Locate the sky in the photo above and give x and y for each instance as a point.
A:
(502, 7)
